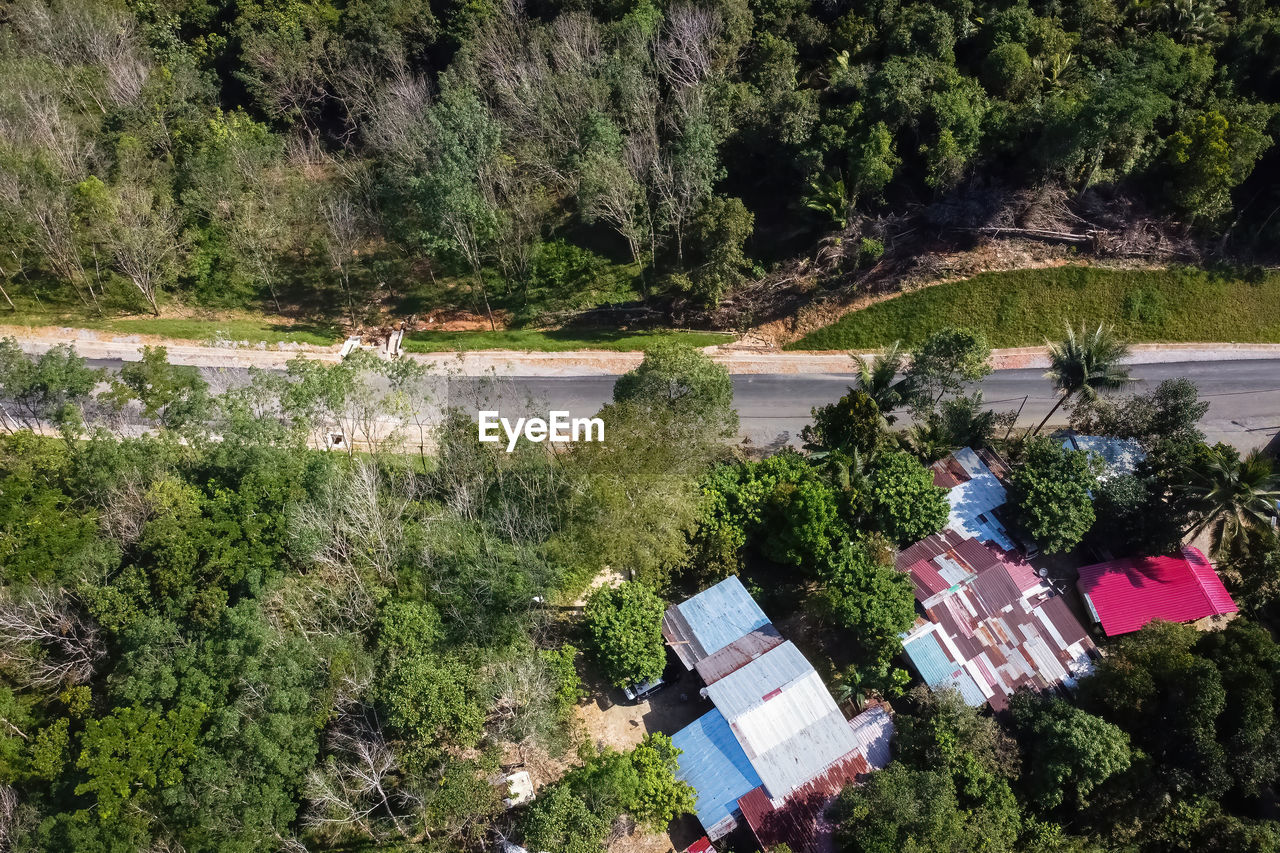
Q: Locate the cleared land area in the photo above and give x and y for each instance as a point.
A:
(556, 340)
(1026, 307)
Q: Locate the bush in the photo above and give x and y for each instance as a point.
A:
(625, 628)
(903, 503)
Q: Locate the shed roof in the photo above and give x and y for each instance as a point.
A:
(800, 821)
(714, 765)
(1127, 594)
(712, 619)
(739, 653)
(1121, 455)
(997, 628)
(974, 499)
(789, 726)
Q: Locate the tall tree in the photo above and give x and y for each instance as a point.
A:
(1233, 495)
(1081, 367)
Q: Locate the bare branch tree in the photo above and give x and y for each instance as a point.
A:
(44, 636)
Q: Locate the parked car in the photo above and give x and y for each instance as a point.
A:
(638, 692)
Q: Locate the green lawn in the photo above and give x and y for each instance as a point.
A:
(555, 341)
(1026, 307)
(246, 329)
(234, 326)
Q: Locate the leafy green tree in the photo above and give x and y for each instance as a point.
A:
(902, 501)
(1081, 367)
(1051, 494)
(175, 396)
(852, 424)
(945, 361)
(1211, 153)
(685, 382)
(561, 820)
(51, 388)
(716, 237)
(873, 601)
(624, 625)
(1070, 752)
(131, 755)
(429, 697)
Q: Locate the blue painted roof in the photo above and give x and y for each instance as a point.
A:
(940, 671)
(722, 614)
(713, 763)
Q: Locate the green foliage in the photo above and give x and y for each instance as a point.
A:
(1069, 752)
(902, 501)
(945, 361)
(873, 601)
(175, 396)
(624, 625)
(684, 382)
(428, 697)
(852, 424)
(1025, 307)
(1050, 493)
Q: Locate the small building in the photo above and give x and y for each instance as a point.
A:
(714, 618)
(1123, 595)
(776, 749)
(974, 481)
(990, 624)
(1119, 455)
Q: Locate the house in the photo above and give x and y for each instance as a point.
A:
(974, 481)
(1119, 455)
(990, 624)
(776, 749)
(1123, 595)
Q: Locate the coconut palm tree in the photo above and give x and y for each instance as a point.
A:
(879, 379)
(1236, 494)
(1082, 366)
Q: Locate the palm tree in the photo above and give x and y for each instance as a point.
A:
(1236, 494)
(1081, 367)
(879, 379)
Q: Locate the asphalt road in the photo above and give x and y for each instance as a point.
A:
(1244, 396)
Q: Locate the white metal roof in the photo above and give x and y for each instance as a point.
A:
(788, 724)
(1121, 455)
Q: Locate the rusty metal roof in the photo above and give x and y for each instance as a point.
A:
(800, 820)
(739, 653)
(998, 629)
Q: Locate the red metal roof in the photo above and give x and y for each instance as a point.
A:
(800, 821)
(1127, 594)
(702, 845)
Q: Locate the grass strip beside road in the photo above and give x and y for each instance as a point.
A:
(1026, 307)
(555, 341)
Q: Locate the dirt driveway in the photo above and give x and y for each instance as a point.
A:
(609, 721)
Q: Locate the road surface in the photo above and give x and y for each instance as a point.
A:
(1243, 395)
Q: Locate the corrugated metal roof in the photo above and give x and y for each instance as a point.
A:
(679, 635)
(721, 614)
(702, 845)
(1121, 455)
(788, 724)
(873, 730)
(1000, 630)
(1127, 594)
(800, 821)
(973, 501)
(739, 653)
(714, 765)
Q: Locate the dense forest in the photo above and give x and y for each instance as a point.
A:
(371, 157)
(216, 636)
